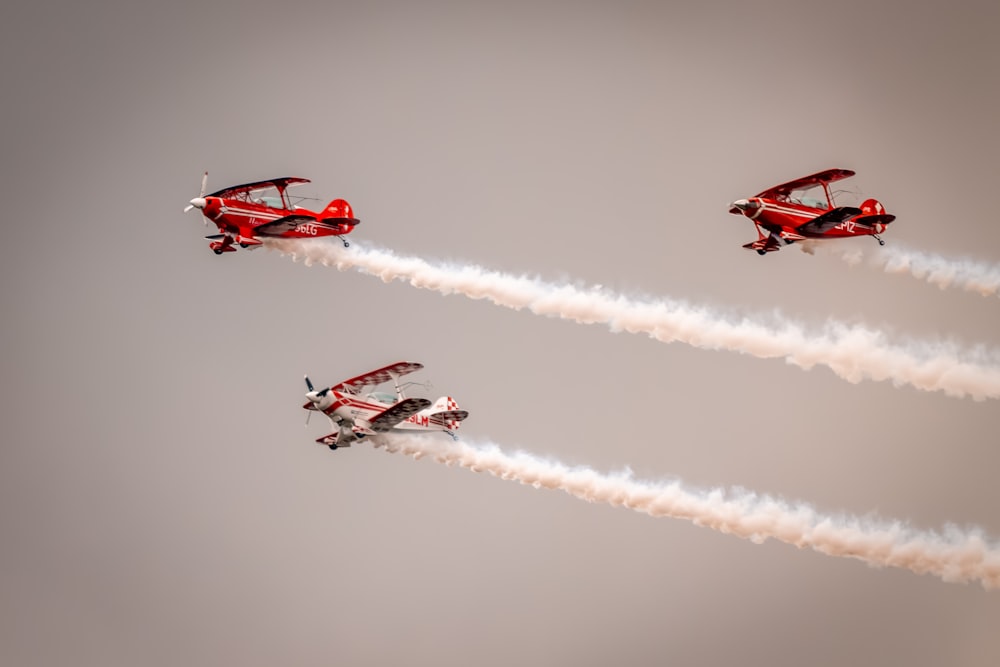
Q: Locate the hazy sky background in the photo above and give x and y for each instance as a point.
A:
(160, 502)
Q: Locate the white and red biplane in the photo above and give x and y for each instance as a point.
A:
(356, 411)
(244, 213)
(804, 209)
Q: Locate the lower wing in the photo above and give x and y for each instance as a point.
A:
(385, 420)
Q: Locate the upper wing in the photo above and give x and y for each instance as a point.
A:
(828, 176)
(385, 420)
(380, 375)
(283, 182)
(282, 225)
(829, 220)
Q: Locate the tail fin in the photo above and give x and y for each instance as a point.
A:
(339, 211)
(872, 207)
(444, 403)
(445, 412)
(874, 215)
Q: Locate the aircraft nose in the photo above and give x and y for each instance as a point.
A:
(317, 396)
(743, 206)
(197, 202)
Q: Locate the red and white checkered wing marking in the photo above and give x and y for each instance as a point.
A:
(380, 375)
(397, 413)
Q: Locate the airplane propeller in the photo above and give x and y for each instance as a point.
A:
(314, 396)
(199, 201)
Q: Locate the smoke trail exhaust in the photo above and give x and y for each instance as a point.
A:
(853, 353)
(963, 273)
(953, 555)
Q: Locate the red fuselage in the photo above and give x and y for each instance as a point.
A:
(241, 219)
(785, 219)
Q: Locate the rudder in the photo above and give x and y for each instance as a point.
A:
(446, 412)
(341, 211)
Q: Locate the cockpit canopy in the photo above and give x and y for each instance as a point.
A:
(813, 196)
(382, 397)
(267, 196)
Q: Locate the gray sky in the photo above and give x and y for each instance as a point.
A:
(161, 502)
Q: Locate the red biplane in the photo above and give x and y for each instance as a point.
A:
(244, 213)
(804, 209)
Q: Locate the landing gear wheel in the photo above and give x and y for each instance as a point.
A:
(761, 252)
(347, 244)
(217, 251)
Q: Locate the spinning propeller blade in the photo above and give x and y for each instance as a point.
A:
(314, 396)
(199, 201)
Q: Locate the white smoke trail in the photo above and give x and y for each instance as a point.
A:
(953, 555)
(852, 352)
(963, 273)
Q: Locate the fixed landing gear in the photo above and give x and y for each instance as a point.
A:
(880, 241)
(345, 242)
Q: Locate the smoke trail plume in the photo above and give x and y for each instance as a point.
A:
(854, 353)
(962, 273)
(953, 555)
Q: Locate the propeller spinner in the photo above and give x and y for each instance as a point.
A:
(312, 394)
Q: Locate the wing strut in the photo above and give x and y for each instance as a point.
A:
(395, 383)
(829, 197)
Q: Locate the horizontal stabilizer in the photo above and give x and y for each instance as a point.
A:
(450, 416)
(872, 220)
